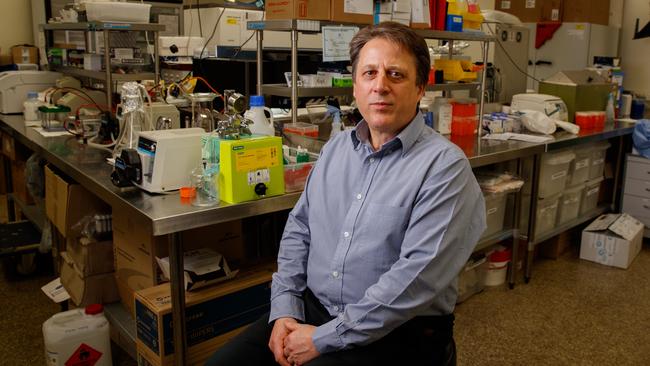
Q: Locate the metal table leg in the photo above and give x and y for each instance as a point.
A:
(532, 217)
(178, 297)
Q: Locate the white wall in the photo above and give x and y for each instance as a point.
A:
(15, 24)
(635, 53)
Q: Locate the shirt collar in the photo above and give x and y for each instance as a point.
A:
(407, 137)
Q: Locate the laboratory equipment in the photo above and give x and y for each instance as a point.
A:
(179, 46)
(131, 115)
(14, 86)
(53, 117)
(251, 168)
(157, 110)
(202, 110)
(163, 161)
(510, 60)
(552, 106)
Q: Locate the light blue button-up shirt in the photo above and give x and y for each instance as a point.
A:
(379, 236)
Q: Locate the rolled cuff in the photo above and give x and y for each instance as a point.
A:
(326, 338)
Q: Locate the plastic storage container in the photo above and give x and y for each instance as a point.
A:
(546, 214)
(570, 204)
(301, 128)
(463, 126)
(78, 337)
(598, 152)
(495, 206)
(553, 172)
(30, 107)
(296, 173)
(471, 279)
(261, 125)
(580, 166)
(111, 11)
(590, 195)
(497, 267)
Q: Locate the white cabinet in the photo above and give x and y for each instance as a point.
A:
(636, 190)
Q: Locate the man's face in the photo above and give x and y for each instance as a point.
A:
(384, 86)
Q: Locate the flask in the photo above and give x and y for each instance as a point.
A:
(261, 125)
(30, 107)
(609, 111)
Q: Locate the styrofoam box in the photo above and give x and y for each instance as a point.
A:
(118, 12)
(598, 152)
(553, 172)
(495, 206)
(612, 240)
(546, 214)
(570, 204)
(590, 195)
(580, 166)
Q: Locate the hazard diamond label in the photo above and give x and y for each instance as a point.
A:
(84, 356)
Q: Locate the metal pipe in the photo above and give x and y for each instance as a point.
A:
(107, 64)
(294, 76)
(481, 104)
(155, 57)
(260, 38)
(178, 297)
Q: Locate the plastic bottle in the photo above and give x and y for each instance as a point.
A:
(609, 111)
(76, 336)
(30, 107)
(261, 125)
(443, 115)
(336, 121)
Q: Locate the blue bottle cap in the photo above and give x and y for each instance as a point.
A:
(257, 101)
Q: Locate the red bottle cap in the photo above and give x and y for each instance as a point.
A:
(93, 309)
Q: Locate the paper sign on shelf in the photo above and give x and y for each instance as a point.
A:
(336, 42)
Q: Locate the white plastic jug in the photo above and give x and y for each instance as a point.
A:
(78, 337)
(261, 125)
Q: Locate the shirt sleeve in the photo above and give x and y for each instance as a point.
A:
(446, 222)
(290, 281)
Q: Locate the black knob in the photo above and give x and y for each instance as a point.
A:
(260, 189)
(173, 48)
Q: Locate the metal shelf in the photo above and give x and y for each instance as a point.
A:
(456, 36)
(99, 26)
(284, 91)
(495, 238)
(453, 86)
(122, 326)
(33, 213)
(101, 75)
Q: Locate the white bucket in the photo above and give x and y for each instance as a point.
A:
(78, 337)
(496, 273)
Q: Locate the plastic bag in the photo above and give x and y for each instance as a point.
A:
(538, 122)
(492, 182)
(641, 137)
(97, 226)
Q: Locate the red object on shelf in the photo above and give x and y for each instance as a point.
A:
(463, 126)
(441, 14)
(500, 255)
(463, 109)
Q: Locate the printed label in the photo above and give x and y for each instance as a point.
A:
(492, 210)
(256, 159)
(558, 175)
(259, 176)
(598, 161)
(52, 358)
(593, 191)
(505, 5)
(582, 164)
(555, 15)
(530, 4)
(84, 356)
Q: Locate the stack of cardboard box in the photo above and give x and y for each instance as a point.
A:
(576, 11)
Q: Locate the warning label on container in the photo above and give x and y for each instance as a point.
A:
(84, 356)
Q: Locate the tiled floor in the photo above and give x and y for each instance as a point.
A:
(573, 312)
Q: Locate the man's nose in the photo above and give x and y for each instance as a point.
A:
(381, 83)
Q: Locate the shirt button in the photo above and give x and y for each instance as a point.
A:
(336, 308)
(346, 234)
(372, 160)
(335, 274)
(359, 196)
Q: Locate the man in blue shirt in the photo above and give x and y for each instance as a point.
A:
(390, 214)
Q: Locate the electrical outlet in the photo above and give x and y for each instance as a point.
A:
(173, 75)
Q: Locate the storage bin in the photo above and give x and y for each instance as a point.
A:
(301, 128)
(497, 267)
(553, 172)
(580, 166)
(471, 279)
(570, 204)
(590, 195)
(295, 174)
(110, 11)
(546, 214)
(495, 207)
(598, 152)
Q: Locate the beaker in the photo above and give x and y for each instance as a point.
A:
(206, 185)
(202, 110)
(131, 116)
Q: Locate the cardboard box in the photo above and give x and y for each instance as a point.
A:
(587, 11)
(67, 202)
(6, 60)
(85, 290)
(297, 9)
(19, 183)
(533, 11)
(612, 240)
(3, 176)
(196, 356)
(127, 295)
(24, 54)
(91, 257)
(4, 209)
(202, 267)
(210, 312)
(553, 248)
(14, 150)
(339, 13)
(136, 248)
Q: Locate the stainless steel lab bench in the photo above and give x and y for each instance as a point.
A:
(169, 217)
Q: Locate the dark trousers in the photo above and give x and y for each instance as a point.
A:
(425, 340)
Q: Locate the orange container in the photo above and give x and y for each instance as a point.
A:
(461, 108)
(463, 126)
(585, 120)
